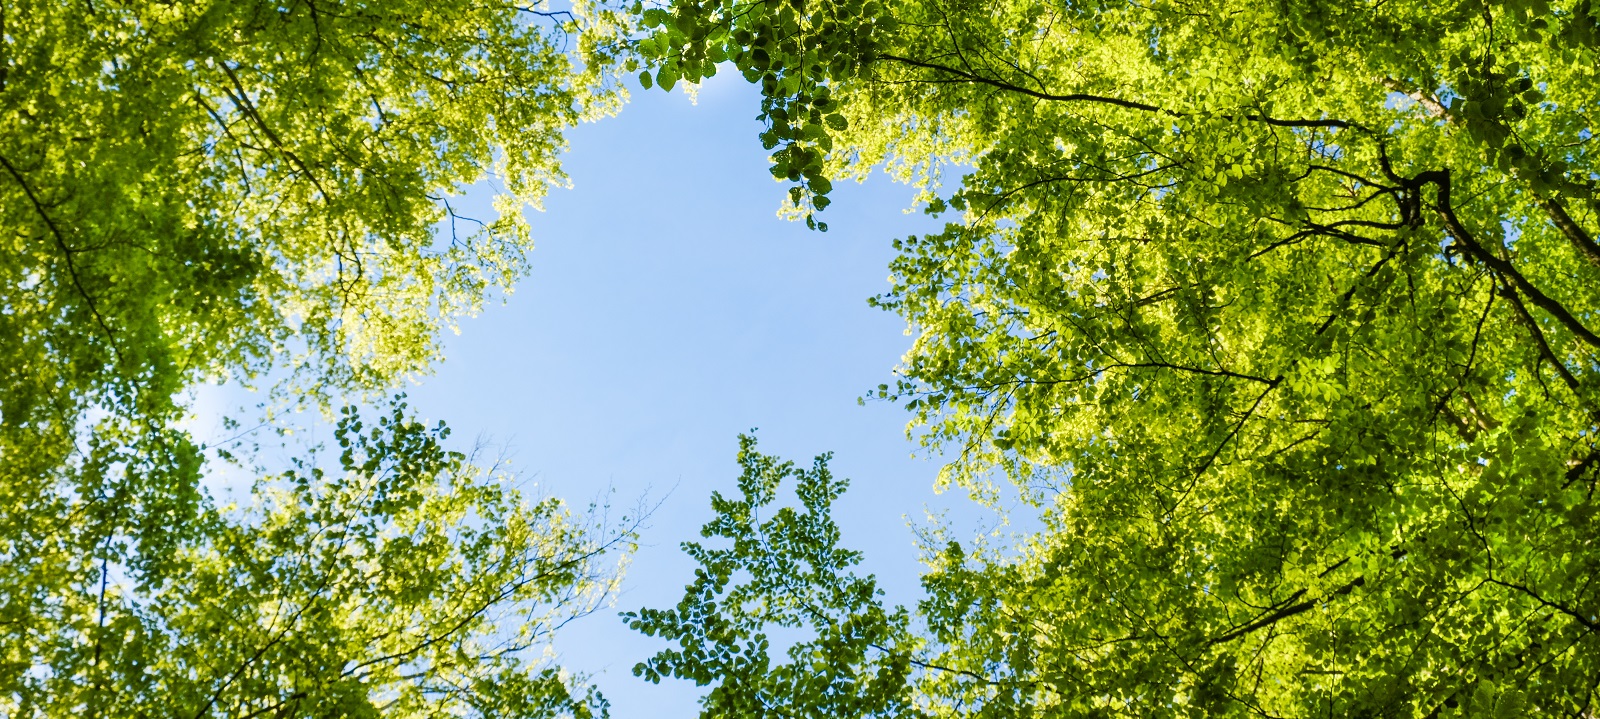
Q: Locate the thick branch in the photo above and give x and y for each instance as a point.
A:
(1577, 470)
(1569, 227)
(1428, 102)
(1462, 235)
(1551, 206)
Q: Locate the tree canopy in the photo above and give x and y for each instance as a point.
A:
(261, 193)
(217, 190)
(1283, 316)
(400, 580)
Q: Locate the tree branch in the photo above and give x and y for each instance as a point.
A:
(66, 253)
(1577, 616)
(1569, 227)
(1118, 102)
(1459, 231)
(1551, 206)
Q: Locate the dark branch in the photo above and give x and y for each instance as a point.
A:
(66, 253)
(1115, 101)
(1501, 267)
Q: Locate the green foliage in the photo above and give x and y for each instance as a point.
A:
(222, 190)
(208, 190)
(404, 581)
(1282, 315)
(784, 574)
(259, 192)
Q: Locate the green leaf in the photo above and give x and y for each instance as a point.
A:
(1192, 328)
(668, 76)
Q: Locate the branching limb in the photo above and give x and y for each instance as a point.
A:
(963, 75)
(1569, 227)
(1501, 267)
(1575, 615)
(66, 254)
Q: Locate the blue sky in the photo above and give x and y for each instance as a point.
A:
(667, 311)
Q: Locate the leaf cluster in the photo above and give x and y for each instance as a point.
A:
(261, 193)
(403, 581)
(783, 577)
(1281, 318)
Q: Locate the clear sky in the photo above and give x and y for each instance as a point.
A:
(668, 310)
